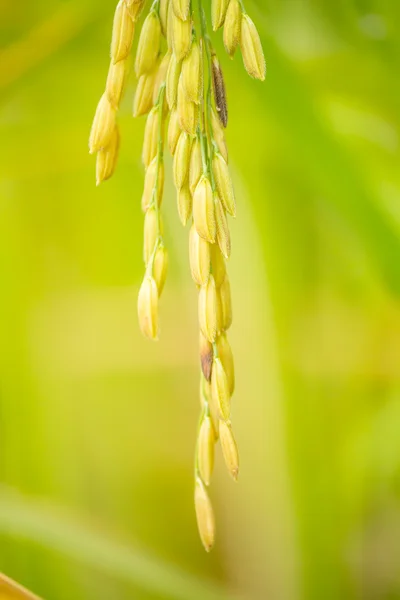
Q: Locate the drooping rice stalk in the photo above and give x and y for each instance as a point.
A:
(180, 78)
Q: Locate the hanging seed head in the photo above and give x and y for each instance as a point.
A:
(150, 181)
(226, 356)
(229, 448)
(173, 74)
(223, 234)
(206, 356)
(220, 389)
(188, 111)
(232, 27)
(192, 73)
(218, 12)
(182, 159)
(122, 34)
(143, 100)
(225, 302)
(181, 33)
(160, 268)
(184, 202)
(208, 310)
(115, 82)
(219, 91)
(176, 82)
(174, 131)
(196, 165)
(253, 55)
(150, 142)
(148, 308)
(103, 125)
(223, 182)
(204, 210)
(204, 515)
(107, 159)
(181, 8)
(149, 44)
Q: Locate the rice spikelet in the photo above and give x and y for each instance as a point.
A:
(250, 44)
(149, 44)
(232, 27)
(171, 85)
(122, 33)
(107, 159)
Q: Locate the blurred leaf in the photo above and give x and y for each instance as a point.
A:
(28, 519)
(10, 590)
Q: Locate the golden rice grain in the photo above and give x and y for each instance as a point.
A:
(107, 159)
(135, 8)
(188, 111)
(206, 356)
(122, 34)
(174, 131)
(103, 125)
(225, 301)
(143, 100)
(173, 74)
(115, 82)
(196, 165)
(218, 134)
(150, 141)
(218, 12)
(161, 75)
(218, 265)
(205, 450)
(184, 202)
(223, 234)
(199, 257)
(205, 515)
(232, 27)
(150, 180)
(160, 268)
(163, 12)
(151, 233)
(148, 308)
(229, 448)
(226, 357)
(250, 44)
(149, 44)
(220, 389)
(204, 210)
(208, 310)
(192, 74)
(224, 184)
(181, 8)
(182, 159)
(181, 32)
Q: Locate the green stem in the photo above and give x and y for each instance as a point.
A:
(208, 97)
(160, 157)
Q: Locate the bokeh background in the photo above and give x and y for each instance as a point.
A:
(98, 425)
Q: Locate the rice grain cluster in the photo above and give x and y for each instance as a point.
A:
(180, 82)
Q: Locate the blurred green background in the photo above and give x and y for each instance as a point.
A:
(97, 425)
